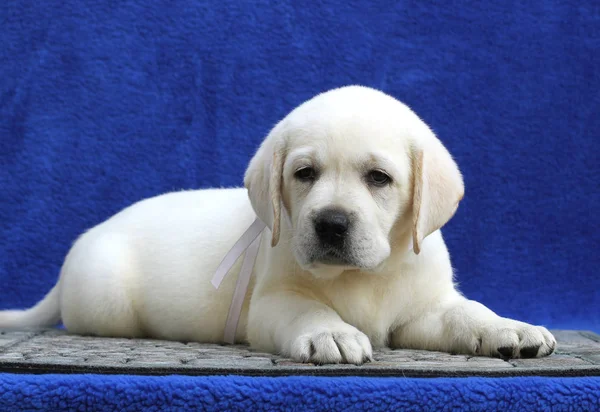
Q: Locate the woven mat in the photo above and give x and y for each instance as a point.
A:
(55, 351)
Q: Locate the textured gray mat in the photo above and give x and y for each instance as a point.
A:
(54, 351)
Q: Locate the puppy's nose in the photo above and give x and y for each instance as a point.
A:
(331, 226)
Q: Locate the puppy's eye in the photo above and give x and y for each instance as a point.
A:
(305, 174)
(378, 178)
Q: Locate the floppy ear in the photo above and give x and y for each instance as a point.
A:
(263, 179)
(438, 188)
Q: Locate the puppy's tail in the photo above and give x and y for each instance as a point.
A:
(45, 313)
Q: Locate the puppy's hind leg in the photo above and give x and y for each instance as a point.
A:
(98, 287)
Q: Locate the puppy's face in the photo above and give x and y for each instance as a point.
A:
(352, 171)
(346, 181)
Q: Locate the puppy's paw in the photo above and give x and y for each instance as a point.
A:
(509, 339)
(338, 344)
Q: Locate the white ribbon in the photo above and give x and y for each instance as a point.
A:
(249, 242)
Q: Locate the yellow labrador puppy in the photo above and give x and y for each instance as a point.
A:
(354, 188)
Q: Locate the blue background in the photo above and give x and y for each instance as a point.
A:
(106, 103)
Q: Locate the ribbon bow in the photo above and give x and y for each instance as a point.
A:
(250, 243)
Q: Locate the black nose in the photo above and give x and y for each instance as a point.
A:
(331, 226)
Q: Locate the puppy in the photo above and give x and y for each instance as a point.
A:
(354, 189)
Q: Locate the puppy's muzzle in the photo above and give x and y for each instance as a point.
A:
(331, 227)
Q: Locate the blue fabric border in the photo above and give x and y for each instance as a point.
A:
(126, 392)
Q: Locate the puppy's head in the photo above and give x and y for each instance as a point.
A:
(354, 173)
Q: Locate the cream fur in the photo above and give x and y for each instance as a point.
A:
(146, 271)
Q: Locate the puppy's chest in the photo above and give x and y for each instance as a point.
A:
(372, 307)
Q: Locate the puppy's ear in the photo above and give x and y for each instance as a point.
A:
(263, 179)
(438, 189)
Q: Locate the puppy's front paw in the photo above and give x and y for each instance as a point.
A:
(509, 339)
(339, 344)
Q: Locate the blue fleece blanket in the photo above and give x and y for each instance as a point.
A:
(106, 103)
(174, 393)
